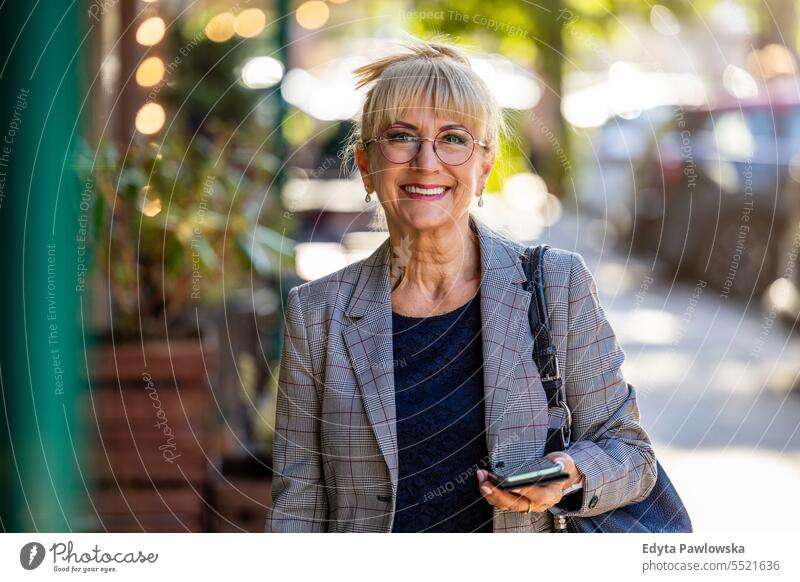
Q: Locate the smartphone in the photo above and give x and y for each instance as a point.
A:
(541, 472)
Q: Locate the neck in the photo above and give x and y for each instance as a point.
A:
(434, 262)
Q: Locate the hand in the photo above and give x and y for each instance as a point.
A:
(540, 497)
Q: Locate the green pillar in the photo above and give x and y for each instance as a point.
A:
(40, 216)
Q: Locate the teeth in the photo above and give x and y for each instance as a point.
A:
(424, 191)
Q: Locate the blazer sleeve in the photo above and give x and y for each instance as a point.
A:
(299, 501)
(610, 448)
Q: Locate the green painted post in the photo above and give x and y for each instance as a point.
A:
(40, 306)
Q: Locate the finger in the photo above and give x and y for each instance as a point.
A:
(566, 461)
(490, 493)
(485, 477)
(537, 493)
(502, 499)
(541, 497)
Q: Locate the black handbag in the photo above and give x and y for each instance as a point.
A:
(662, 511)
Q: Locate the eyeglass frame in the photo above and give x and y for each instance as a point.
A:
(382, 137)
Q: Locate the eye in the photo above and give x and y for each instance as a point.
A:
(401, 136)
(453, 138)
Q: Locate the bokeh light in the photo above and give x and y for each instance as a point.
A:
(221, 27)
(250, 22)
(150, 118)
(151, 31)
(262, 72)
(313, 14)
(150, 72)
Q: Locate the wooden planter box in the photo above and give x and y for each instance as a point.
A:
(149, 509)
(150, 443)
(241, 504)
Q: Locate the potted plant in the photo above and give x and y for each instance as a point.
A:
(177, 226)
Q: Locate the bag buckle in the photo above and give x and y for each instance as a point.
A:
(551, 370)
(566, 429)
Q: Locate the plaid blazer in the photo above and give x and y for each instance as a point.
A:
(335, 449)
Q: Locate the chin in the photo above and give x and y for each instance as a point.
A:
(429, 218)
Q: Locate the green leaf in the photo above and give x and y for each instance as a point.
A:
(207, 253)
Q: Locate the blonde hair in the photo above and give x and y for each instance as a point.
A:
(429, 74)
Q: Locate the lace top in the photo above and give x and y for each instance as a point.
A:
(438, 376)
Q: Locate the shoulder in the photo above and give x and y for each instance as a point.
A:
(557, 261)
(561, 266)
(568, 270)
(330, 295)
(567, 281)
(331, 285)
(561, 262)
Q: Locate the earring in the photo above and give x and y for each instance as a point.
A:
(480, 199)
(368, 197)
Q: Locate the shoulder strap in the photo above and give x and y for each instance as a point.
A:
(545, 354)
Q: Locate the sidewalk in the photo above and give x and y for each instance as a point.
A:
(714, 385)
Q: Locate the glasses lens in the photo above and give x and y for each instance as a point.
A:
(399, 145)
(454, 146)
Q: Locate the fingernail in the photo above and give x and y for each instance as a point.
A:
(486, 490)
(481, 474)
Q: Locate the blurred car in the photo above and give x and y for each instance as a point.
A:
(661, 202)
(715, 194)
(609, 181)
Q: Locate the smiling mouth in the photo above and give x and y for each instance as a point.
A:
(424, 191)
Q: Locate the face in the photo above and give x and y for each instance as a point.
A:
(424, 193)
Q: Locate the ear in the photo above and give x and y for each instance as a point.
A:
(362, 161)
(486, 166)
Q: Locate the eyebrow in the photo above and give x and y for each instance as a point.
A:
(411, 126)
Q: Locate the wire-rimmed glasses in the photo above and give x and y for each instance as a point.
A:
(453, 146)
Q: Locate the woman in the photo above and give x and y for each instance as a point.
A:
(408, 375)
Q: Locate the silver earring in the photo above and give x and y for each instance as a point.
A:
(480, 200)
(368, 197)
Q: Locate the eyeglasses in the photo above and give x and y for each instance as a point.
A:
(453, 147)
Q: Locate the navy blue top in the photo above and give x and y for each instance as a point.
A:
(441, 437)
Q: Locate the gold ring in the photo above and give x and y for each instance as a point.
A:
(529, 506)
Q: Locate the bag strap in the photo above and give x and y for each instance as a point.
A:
(545, 355)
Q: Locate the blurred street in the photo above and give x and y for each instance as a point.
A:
(713, 382)
(170, 170)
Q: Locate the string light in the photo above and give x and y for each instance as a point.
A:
(151, 31)
(150, 72)
(221, 27)
(150, 118)
(250, 22)
(313, 14)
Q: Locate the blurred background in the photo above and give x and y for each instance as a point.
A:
(171, 168)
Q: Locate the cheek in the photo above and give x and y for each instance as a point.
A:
(386, 178)
(467, 182)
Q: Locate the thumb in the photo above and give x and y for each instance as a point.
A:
(559, 458)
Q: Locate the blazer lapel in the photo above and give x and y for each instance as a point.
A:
(369, 346)
(504, 313)
(504, 309)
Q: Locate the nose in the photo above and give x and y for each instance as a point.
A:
(426, 157)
